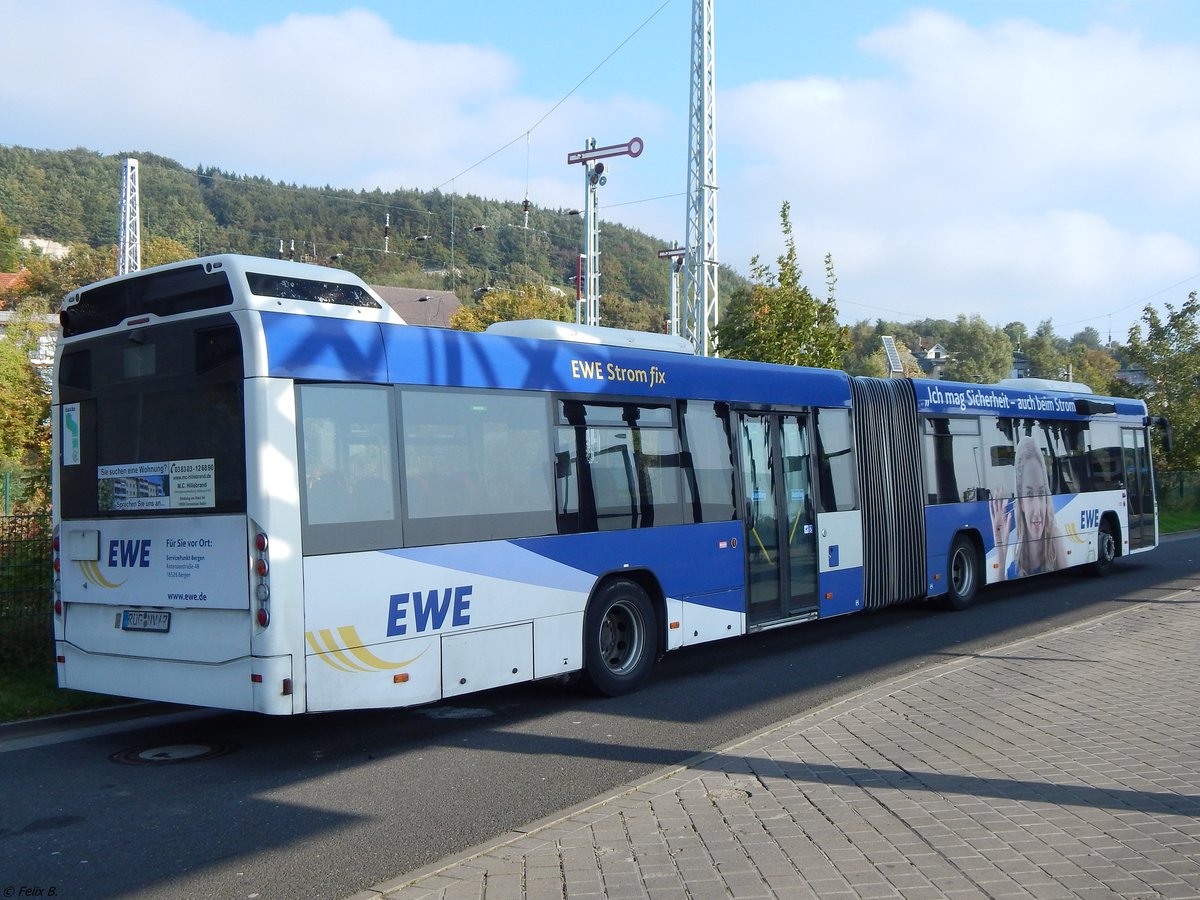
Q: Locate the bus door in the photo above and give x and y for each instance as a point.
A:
(777, 510)
(1139, 487)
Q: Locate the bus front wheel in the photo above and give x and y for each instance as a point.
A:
(1106, 549)
(965, 573)
(619, 638)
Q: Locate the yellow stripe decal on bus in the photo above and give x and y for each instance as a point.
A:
(1073, 534)
(326, 647)
(321, 653)
(91, 571)
(326, 635)
(355, 645)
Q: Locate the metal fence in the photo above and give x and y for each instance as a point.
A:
(26, 626)
(1178, 491)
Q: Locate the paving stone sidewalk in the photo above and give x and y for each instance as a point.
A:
(1063, 766)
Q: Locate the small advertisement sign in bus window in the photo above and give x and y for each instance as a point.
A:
(177, 484)
(71, 454)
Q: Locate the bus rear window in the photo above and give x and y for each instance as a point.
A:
(154, 425)
(168, 293)
(287, 288)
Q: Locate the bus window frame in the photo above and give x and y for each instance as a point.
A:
(180, 378)
(588, 521)
(475, 526)
(324, 538)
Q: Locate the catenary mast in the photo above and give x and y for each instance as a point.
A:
(700, 295)
(129, 229)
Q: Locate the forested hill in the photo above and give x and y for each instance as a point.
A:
(72, 196)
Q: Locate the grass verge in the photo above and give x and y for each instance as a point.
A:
(28, 690)
(1179, 520)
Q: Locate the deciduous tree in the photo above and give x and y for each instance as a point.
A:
(979, 352)
(1169, 351)
(1097, 369)
(1045, 353)
(51, 279)
(25, 404)
(10, 246)
(776, 319)
(159, 250)
(636, 315)
(531, 301)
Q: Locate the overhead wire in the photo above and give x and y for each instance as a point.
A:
(1141, 302)
(553, 109)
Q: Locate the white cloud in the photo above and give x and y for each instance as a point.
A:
(1013, 171)
(297, 100)
(341, 99)
(1010, 169)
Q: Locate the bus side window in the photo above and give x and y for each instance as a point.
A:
(953, 454)
(835, 455)
(617, 466)
(1104, 461)
(328, 499)
(999, 447)
(347, 474)
(476, 465)
(706, 461)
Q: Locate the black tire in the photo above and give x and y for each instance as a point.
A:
(619, 639)
(964, 572)
(1106, 549)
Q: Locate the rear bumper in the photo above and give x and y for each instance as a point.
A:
(257, 684)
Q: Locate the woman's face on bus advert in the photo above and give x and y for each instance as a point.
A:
(1033, 498)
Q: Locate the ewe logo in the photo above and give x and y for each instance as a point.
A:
(127, 554)
(122, 554)
(346, 651)
(430, 610)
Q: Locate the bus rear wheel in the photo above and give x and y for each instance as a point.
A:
(619, 639)
(965, 573)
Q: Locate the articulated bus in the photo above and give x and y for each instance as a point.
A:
(272, 494)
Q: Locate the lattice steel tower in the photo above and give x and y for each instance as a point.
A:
(129, 230)
(699, 304)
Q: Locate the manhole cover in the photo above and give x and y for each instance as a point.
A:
(171, 754)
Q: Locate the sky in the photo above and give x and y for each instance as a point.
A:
(1020, 161)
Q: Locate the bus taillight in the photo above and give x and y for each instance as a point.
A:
(57, 564)
(262, 591)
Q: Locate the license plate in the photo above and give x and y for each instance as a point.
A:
(145, 620)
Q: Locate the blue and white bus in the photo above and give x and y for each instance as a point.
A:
(272, 494)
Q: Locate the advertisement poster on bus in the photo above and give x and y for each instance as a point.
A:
(174, 484)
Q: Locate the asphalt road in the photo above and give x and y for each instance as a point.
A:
(322, 806)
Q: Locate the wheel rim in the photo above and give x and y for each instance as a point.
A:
(961, 574)
(622, 637)
(1108, 548)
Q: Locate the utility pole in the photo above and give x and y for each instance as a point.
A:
(676, 255)
(587, 307)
